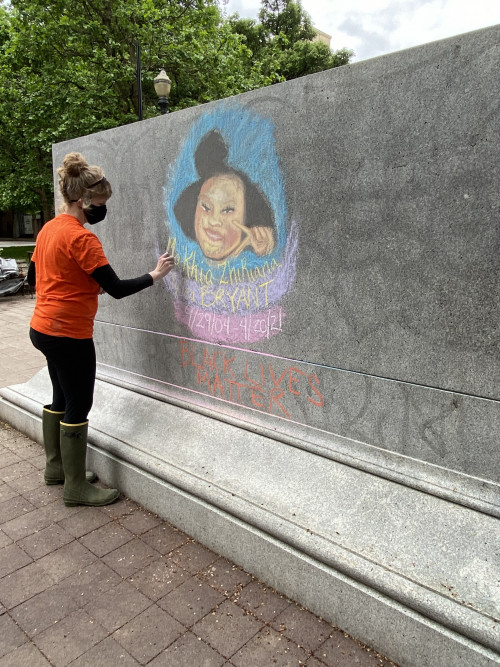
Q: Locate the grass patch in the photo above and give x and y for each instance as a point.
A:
(18, 252)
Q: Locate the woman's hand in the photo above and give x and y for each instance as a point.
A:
(164, 266)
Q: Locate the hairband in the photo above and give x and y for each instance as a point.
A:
(96, 183)
(87, 187)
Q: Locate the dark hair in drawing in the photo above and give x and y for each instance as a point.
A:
(210, 160)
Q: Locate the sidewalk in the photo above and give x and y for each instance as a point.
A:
(10, 243)
(117, 585)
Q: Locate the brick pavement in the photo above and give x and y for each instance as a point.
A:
(117, 585)
(19, 360)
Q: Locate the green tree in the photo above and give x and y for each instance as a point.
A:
(68, 68)
(282, 43)
(286, 17)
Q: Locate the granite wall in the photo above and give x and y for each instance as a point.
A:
(337, 245)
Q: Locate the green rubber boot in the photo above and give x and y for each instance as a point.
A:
(54, 472)
(77, 491)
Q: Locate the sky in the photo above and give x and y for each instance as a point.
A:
(375, 27)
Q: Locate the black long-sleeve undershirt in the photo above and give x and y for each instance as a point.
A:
(108, 280)
(117, 288)
(31, 274)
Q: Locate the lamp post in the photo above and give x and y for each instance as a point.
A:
(139, 80)
(162, 87)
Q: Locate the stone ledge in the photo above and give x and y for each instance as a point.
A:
(413, 559)
(477, 493)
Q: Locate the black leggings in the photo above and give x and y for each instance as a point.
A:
(72, 365)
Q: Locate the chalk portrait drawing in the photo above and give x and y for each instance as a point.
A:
(227, 226)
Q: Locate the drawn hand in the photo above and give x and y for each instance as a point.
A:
(260, 239)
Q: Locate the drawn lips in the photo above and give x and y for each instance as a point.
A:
(214, 236)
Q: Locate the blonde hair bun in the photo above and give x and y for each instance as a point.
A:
(73, 165)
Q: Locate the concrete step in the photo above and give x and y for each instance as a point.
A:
(413, 575)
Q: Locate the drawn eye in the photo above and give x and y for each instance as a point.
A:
(205, 207)
(228, 209)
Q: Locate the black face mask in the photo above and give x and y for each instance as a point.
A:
(95, 213)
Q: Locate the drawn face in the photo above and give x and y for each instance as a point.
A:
(220, 214)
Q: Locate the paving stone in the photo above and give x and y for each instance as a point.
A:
(27, 655)
(140, 521)
(106, 538)
(164, 538)
(20, 444)
(227, 629)
(27, 482)
(302, 627)
(70, 558)
(85, 521)
(194, 557)
(159, 578)
(262, 601)
(131, 557)
(34, 521)
(43, 610)
(27, 524)
(117, 606)
(189, 651)
(269, 647)
(5, 540)
(24, 447)
(23, 584)
(314, 662)
(191, 601)
(16, 470)
(14, 508)
(120, 508)
(107, 653)
(149, 633)
(38, 461)
(340, 650)
(44, 495)
(10, 635)
(70, 638)
(12, 558)
(226, 577)
(89, 582)
(6, 493)
(7, 458)
(59, 511)
(45, 541)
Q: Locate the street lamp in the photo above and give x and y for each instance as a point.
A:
(162, 87)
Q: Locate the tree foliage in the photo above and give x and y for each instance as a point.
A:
(283, 42)
(68, 68)
(286, 17)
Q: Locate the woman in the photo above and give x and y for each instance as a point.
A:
(70, 269)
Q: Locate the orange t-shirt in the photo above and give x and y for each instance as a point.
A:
(66, 295)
